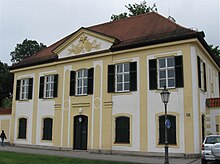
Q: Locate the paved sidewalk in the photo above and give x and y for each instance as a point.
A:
(87, 155)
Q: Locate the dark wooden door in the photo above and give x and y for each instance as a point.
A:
(80, 132)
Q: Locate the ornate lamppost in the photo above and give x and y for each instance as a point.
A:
(165, 95)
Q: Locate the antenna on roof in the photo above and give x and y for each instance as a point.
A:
(170, 17)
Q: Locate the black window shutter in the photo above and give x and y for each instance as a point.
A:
(133, 76)
(153, 74)
(47, 130)
(18, 87)
(179, 71)
(111, 78)
(30, 88)
(204, 70)
(72, 83)
(55, 89)
(122, 130)
(199, 71)
(22, 128)
(90, 81)
(170, 132)
(41, 89)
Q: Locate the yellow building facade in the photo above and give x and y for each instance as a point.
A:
(98, 89)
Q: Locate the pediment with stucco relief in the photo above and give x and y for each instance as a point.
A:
(84, 42)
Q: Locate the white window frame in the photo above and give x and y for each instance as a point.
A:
(48, 80)
(202, 74)
(166, 69)
(24, 89)
(83, 86)
(123, 73)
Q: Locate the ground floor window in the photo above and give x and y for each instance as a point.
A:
(171, 132)
(122, 130)
(47, 128)
(22, 128)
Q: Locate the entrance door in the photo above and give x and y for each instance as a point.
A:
(80, 132)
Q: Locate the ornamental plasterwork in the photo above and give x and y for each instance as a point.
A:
(84, 45)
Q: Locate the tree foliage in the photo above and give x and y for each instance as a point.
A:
(135, 9)
(25, 49)
(6, 83)
(216, 50)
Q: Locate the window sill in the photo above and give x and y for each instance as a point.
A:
(44, 140)
(25, 100)
(21, 139)
(81, 95)
(170, 90)
(49, 98)
(122, 144)
(122, 93)
(170, 145)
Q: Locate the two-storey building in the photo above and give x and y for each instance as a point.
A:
(99, 88)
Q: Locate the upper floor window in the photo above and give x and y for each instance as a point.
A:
(122, 77)
(82, 81)
(166, 72)
(24, 89)
(48, 86)
(201, 74)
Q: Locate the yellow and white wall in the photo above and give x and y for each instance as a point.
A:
(143, 106)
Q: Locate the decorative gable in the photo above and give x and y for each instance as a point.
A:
(84, 41)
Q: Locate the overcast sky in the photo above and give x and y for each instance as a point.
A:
(50, 20)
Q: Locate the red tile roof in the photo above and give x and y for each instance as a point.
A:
(141, 30)
(5, 111)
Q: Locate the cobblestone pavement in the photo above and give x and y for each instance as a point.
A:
(87, 155)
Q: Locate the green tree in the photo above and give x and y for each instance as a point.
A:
(216, 50)
(135, 9)
(6, 83)
(25, 49)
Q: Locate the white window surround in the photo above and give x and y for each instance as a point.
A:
(49, 86)
(24, 89)
(122, 78)
(166, 72)
(82, 82)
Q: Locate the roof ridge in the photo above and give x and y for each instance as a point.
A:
(120, 20)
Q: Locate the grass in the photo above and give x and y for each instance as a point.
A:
(21, 158)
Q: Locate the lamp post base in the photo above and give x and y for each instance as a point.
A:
(166, 154)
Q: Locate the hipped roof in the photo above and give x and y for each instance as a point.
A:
(142, 30)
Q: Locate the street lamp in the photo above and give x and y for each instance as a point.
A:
(165, 95)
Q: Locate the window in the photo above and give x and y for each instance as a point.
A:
(82, 80)
(171, 132)
(201, 74)
(22, 128)
(24, 89)
(166, 72)
(48, 86)
(122, 77)
(122, 130)
(47, 129)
